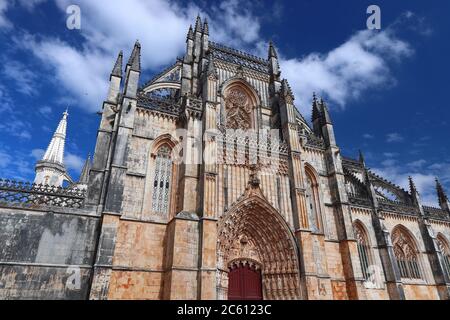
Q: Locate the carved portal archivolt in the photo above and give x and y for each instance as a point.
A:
(253, 232)
(239, 105)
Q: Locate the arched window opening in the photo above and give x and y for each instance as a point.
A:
(406, 255)
(445, 250)
(312, 203)
(162, 181)
(363, 250)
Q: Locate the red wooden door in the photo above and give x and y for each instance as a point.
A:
(244, 283)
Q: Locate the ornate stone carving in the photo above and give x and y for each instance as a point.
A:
(254, 232)
(403, 248)
(238, 109)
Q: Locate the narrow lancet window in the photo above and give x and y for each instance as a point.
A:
(162, 181)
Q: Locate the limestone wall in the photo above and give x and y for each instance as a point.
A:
(42, 252)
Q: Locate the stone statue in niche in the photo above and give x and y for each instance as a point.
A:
(238, 109)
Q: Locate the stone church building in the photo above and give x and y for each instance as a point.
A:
(207, 183)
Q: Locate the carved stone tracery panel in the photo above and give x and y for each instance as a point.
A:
(238, 109)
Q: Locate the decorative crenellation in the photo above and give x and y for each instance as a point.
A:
(436, 213)
(164, 106)
(244, 59)
(30, 195)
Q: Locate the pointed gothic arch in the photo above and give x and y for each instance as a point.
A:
(160, 196)
(313, 199)
(364, 248)
(254, 232)
(444, 247)
(407, 253)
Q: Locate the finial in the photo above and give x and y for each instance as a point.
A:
(198, 24)
(205, 27)
(117, 70)
(412, 186)
(316, 114)
(361, 158)
(135, 58)
(272, 51)
(190, 34)
(326, 113)
(442, 197)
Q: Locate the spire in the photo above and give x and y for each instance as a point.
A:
(272, 51)
(135, 59)
(414, 193)
(442, 197)
(361, 158)
(206, 27)
(286, 89)
(190, 35)
(117, 70)
(326, 113)
(84, 176)
(412, 186)
(55, 150)
(315, 110)
(198, 24)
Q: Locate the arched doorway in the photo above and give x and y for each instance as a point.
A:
(244, 281)
(252, 230)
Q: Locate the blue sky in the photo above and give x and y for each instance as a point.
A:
(387, 89)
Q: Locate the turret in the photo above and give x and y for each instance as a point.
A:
(83, 181)
(198, 33)
(327, 125)
(115, 79)
(273, 62)
(362, 161)
(205, 37)
(316, 116)
(415, 197)
(444, 203)
(50, 170)
(133, 71)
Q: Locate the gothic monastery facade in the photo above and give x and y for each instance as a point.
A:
(207, 183)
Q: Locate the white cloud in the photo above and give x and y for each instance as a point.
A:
(389, 162)
(368, 136)
(341, 75)
(16, 128)
(390, 154)
(45, 110)
(14, 164)
(424, 178)
(30, 4)
(24, 78)
(5, 159)
(37, 154)
(160, 26)
(417, 164)
(344, 73)
(73, 162)
(394, 137)
(5, 5)
(234, 24)
(4, 22)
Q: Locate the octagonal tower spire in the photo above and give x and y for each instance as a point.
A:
(50, 170)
